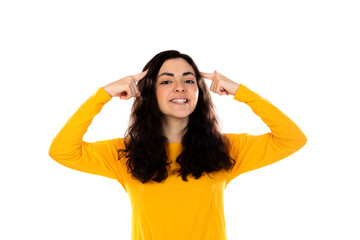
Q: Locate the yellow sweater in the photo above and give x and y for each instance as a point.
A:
(174, 209)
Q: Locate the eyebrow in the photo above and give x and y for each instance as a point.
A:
(171, 74)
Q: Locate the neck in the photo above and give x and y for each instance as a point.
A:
(172, 128)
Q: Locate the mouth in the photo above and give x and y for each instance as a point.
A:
(180, 100)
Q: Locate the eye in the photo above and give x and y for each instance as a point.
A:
(189, 81)
(165, 82)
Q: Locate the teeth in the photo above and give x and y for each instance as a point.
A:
(179, 100)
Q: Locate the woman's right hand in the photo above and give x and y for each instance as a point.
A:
(125, 88)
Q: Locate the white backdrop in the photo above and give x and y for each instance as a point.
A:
(303, 56)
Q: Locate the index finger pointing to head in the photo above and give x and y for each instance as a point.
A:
(209, 76)
(139, 76)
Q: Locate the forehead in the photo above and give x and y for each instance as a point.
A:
(176, 66)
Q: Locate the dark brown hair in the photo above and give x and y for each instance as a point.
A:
(205, 149)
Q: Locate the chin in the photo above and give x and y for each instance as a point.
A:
(179, 116)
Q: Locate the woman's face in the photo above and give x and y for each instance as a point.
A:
(176, 89)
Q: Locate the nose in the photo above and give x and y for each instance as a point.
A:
(179, 87)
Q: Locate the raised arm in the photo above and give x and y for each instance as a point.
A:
(68, 147)
(255, 151)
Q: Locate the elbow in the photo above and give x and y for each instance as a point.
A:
(305, 140)
(55, 153)
(52, 153)
(61, 155)
(63, 159)
(302, 141)
(52, 150)
(291, 144)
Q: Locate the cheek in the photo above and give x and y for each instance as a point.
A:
(158, 93)
(160, 96)
(196, 92)
(196, 95)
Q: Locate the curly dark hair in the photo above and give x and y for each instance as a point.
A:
(205, 149)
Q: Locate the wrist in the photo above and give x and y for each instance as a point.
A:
(107, 91)
(234, 88)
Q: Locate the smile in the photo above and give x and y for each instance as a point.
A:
(179, 100)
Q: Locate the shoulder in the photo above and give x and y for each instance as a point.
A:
(233, 137)
(118, 143)
(239, 140)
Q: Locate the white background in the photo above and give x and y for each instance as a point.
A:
(303, 56)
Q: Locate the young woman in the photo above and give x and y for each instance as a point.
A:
(173, 161)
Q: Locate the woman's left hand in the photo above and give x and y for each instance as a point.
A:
(221, 84)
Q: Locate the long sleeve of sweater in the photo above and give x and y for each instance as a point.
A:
(196, 205)
(249, 151)
(69, 149)
(255, 151)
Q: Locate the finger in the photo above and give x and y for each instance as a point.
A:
(216, 80)
(223, 92)
(212, 86)
(209, 76)
(217, 89)
(127, 93)
(124, 95)
(216, 83)
(139, 76)
(136, 90)
(133, 90)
